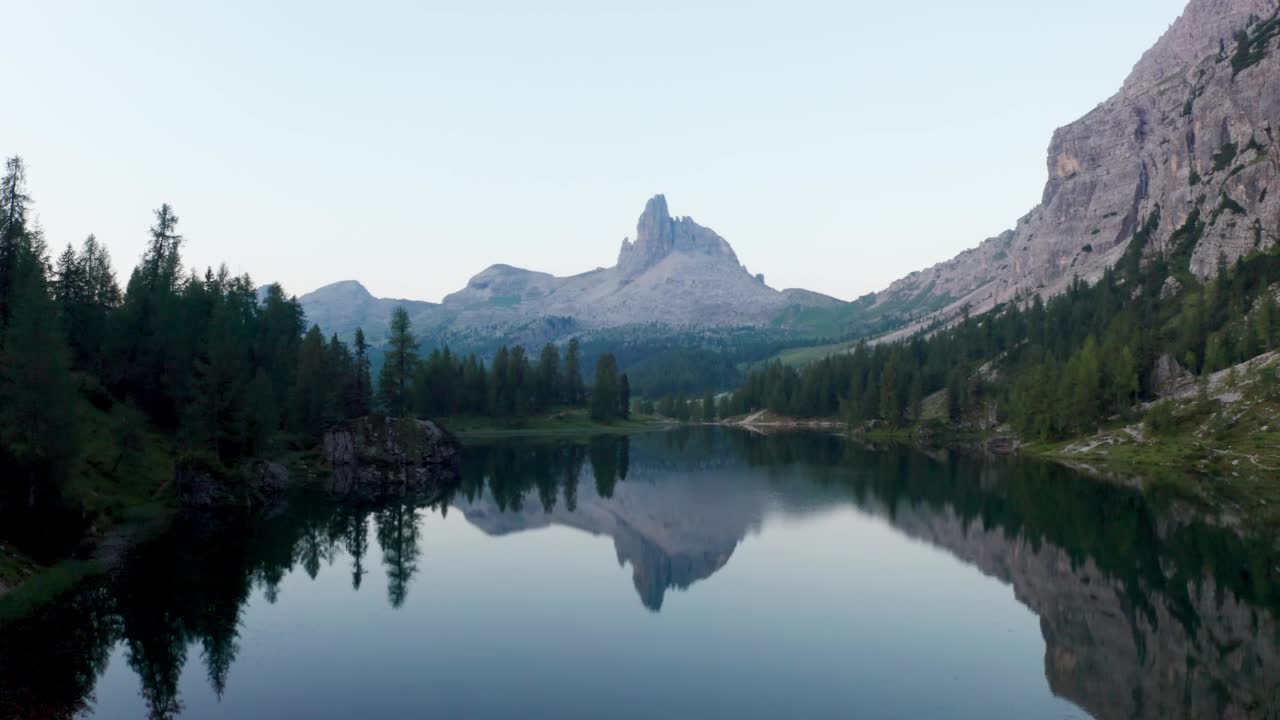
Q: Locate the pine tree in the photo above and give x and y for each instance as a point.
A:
(604, 394)
(361, 399)
(39, 432)
(313, 392)
(549, 382)
(624, 397)
(15, 237)
(399, 362)
(573, 374)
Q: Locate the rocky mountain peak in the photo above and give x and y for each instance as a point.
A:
(345, 291)
(1182, 160)
(659, 235)
(1205, 28)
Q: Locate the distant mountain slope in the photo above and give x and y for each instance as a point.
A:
(676, 276)
(1188, 140)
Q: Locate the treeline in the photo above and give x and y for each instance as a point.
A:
(685, 409)
(512, 386)
(222, 370)
(203, 358)
(1052, 369)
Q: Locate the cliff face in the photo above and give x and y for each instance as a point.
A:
(1189, 136)
(658, 235)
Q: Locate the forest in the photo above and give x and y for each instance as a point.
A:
(1053, 369)
(91, 374)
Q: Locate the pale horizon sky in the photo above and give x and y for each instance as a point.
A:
(836, 145)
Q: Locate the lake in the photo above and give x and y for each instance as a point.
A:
(697, 573)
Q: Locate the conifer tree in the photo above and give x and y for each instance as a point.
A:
(604, 394)
(360, 402)
(573, 373)
(397, 370)
(624, 397)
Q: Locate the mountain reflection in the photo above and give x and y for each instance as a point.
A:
(1146, 611)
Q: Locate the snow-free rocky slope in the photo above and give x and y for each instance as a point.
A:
(1191, 136)
(676, 276)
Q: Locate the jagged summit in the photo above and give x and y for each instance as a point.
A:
(675, 274)
(659, 235)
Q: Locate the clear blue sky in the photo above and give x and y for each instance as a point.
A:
(836, 145)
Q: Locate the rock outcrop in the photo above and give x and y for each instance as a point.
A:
(1186, 148)
(202, 484)
(658, 235)
(378, 456)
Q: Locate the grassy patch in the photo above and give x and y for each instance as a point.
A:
(125, 472)
(44, 586)
(565, 422)
(1224, 455)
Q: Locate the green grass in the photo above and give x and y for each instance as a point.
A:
(570, 422)
(1225, 456)
(801, 356)
(43, 586)
(114, 488)
(117, 487)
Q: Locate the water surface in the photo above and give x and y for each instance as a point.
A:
(690, 574)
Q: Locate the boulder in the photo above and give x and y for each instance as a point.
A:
(376, 456)
(200, 482)
(1168, 377)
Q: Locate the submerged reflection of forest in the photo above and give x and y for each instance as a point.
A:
(1163, 579)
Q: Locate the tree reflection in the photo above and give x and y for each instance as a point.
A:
(1120, 578)
(604, 463)
(397, 525)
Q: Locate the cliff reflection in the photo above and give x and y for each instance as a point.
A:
(1146, 610)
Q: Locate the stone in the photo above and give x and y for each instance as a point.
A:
(377, 456)
(1168, 378)
(203, 484)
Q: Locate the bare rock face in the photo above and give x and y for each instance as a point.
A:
(1186, 148)
(658, 235)
(377, 456)
(1169, 378)
(203, 485)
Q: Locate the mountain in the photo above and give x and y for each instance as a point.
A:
(676, 276)
(1186, 149)
(1182, 159)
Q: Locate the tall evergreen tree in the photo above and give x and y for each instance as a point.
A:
(573, 373)
(400, 360)
(550, 381)
(624, 397)
(604, 394)
(361, 401)
(39, 432)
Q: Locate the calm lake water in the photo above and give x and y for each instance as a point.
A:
(698, 573)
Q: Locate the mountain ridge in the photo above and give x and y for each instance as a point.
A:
(675, 274)
(1187, 141)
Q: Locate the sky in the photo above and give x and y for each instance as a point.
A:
(836, 145)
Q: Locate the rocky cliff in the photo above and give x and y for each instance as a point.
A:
(378, 456)
(1187, 148)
